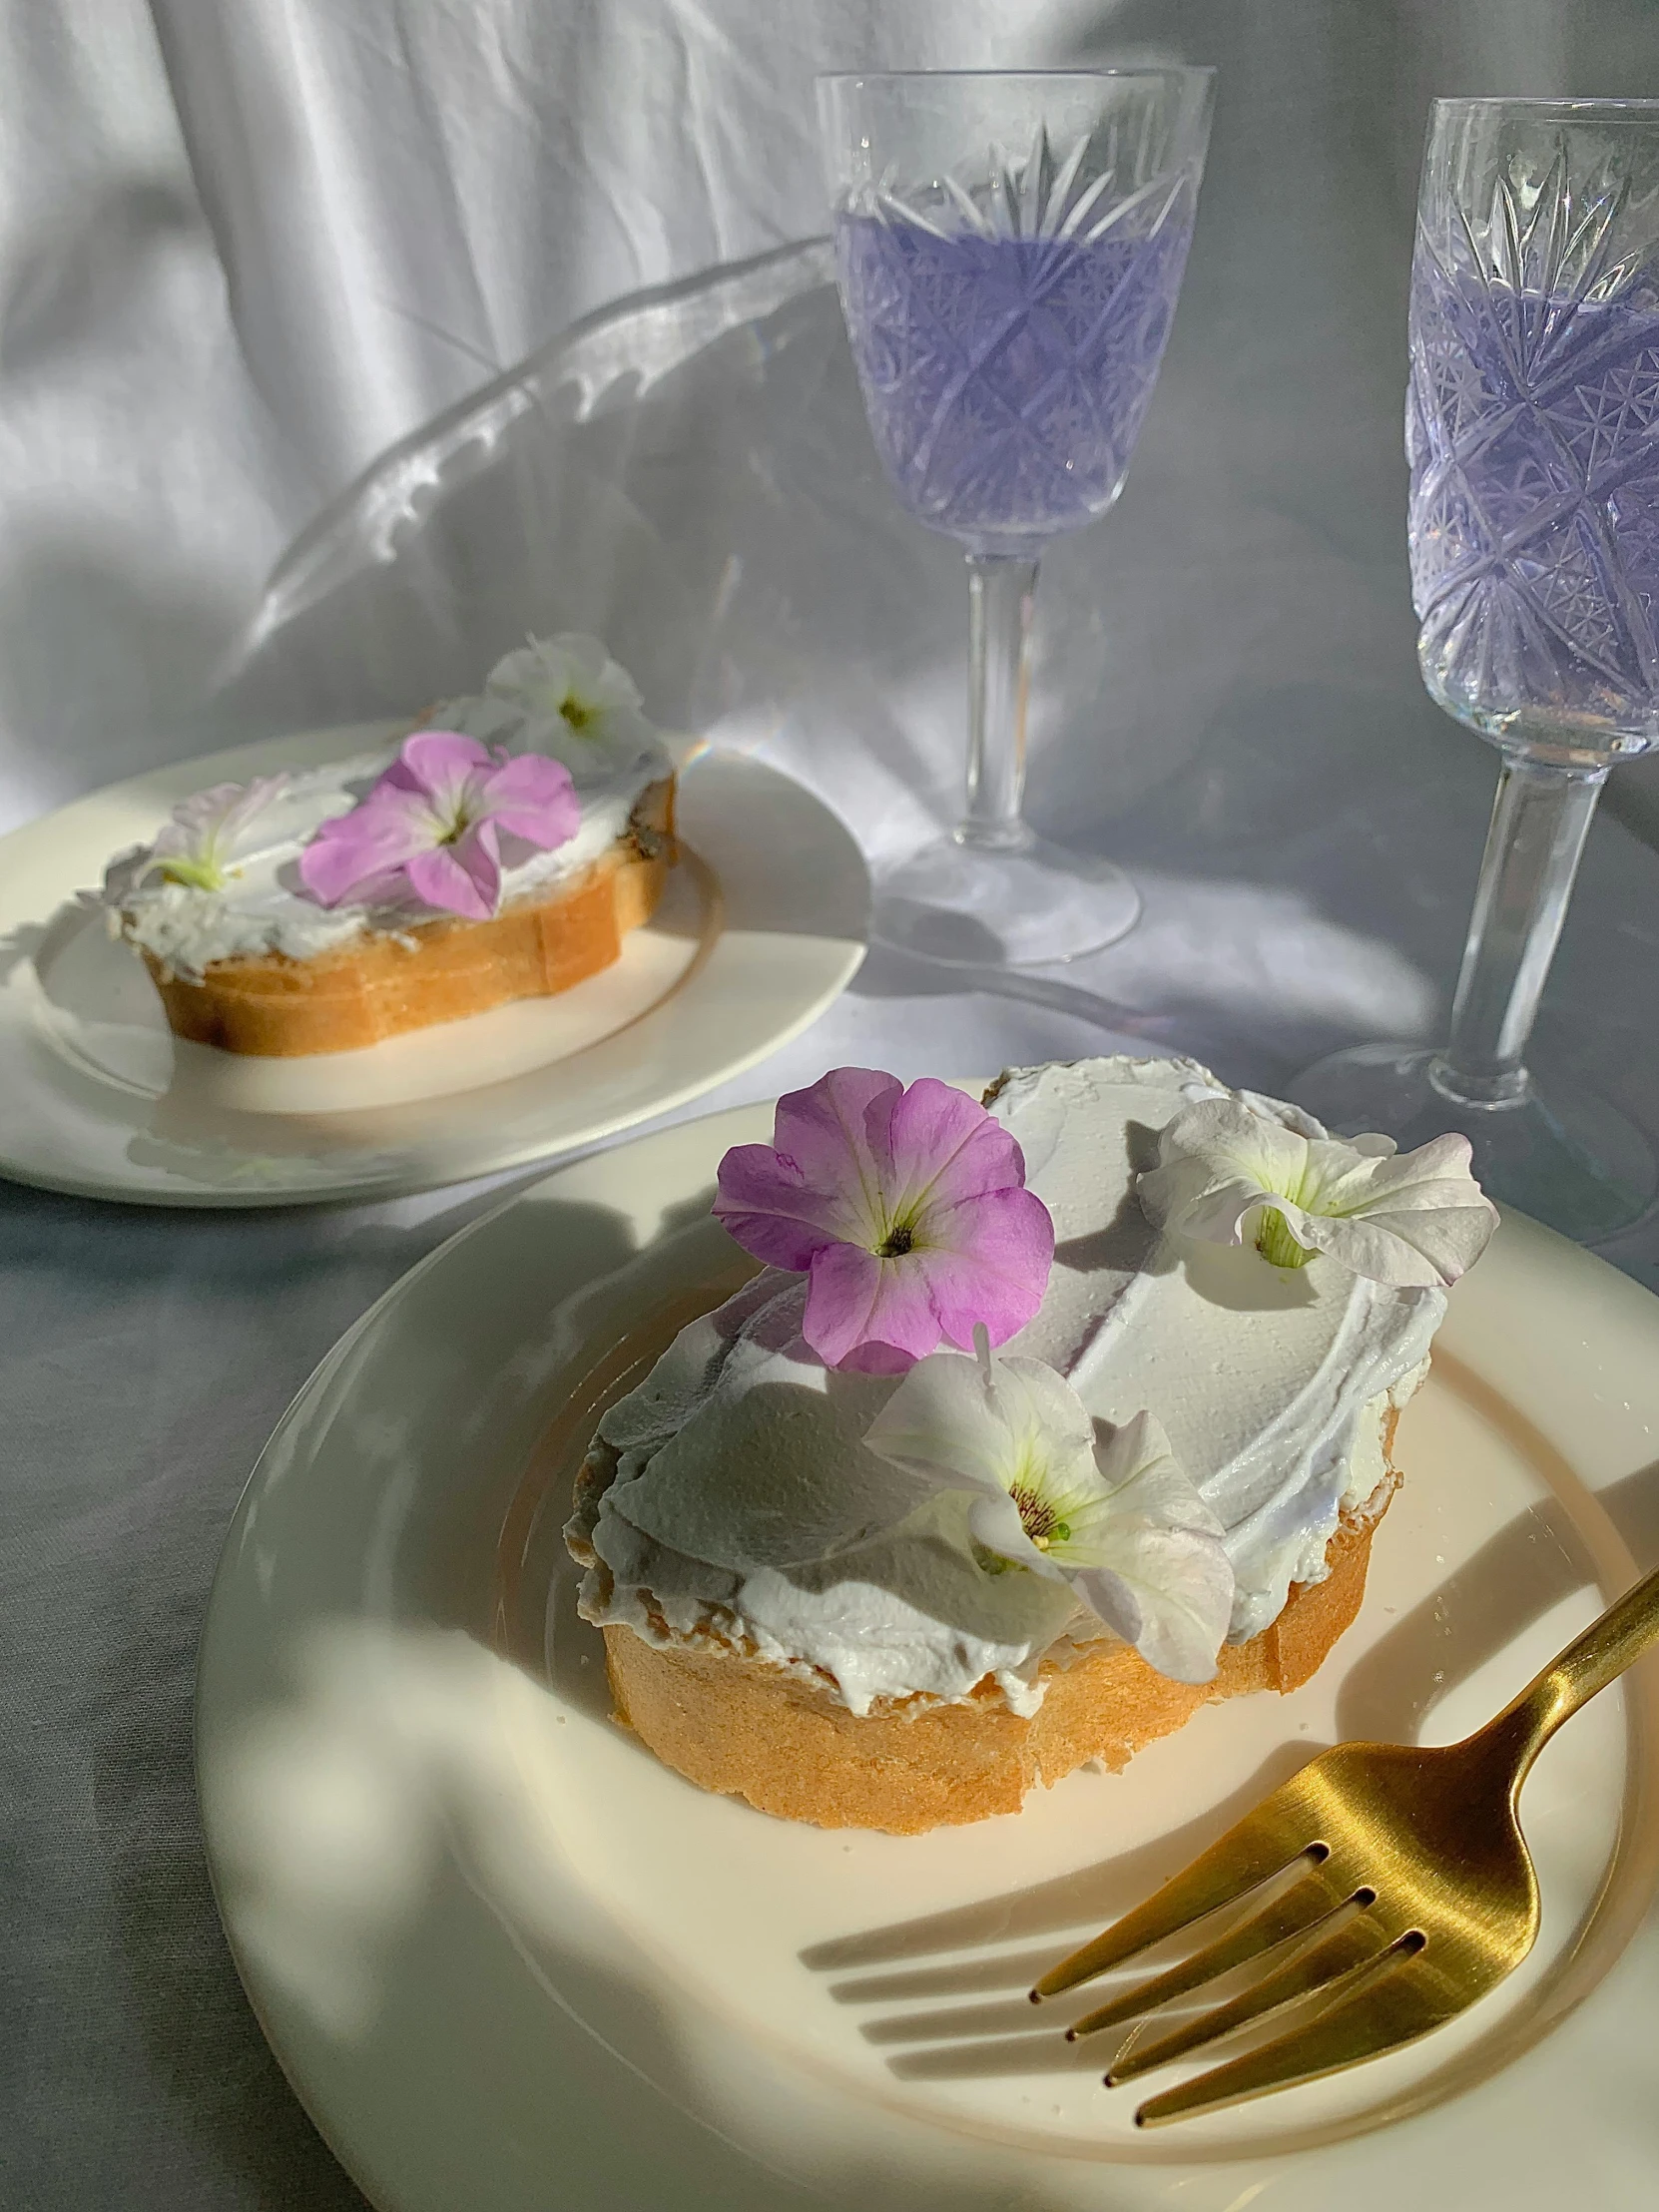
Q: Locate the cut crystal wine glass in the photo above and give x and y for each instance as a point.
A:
(1532, 435)
(1009, 249)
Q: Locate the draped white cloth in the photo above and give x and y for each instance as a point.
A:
(343, 340)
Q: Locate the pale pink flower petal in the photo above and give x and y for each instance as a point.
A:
(944, 1145)
(818, 1182)
(534, 797)
(463, 878)
(353, 850)
(828, 1133)
(768, 1209)
(856, 1301)
(987, 1263)
(439, 762)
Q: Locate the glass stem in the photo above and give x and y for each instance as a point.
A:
(1002, 591)
(1540, 819)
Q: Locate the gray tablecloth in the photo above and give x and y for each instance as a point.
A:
(1228, 704)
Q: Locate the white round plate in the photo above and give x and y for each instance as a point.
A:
(509, 1962)
(761, 930)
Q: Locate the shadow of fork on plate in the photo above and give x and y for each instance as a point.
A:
(1529, 1566)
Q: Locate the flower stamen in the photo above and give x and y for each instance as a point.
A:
(1037, 1517)
(898, 1241)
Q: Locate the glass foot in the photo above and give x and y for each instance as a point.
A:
(973, 908)
(1562, 1154)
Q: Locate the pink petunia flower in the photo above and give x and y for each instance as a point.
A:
(905, 1209)
(432, 825)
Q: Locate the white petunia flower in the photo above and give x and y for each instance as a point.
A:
(576, 702)
(201, 843)
(1226, 1172)
(1122, 1527)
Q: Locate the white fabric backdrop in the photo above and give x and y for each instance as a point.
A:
(341, 339)
(244, 248)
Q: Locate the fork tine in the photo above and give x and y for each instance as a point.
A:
(1351, 1944)
(1244, 1857)
(1293, 1913)
(1394, 2001)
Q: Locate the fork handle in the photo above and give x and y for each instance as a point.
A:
(1628, 1628)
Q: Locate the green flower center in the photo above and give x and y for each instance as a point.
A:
(578, 716)
(453, 821)
(204, 874)
(992, 1562)
(898, 1240)
(1276, 1244)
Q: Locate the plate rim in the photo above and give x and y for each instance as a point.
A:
(1531, 1248)
(693, 760)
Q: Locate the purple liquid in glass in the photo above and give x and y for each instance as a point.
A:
(1005, 379)
(1532, 430)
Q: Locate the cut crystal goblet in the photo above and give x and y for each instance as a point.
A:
(1010, 251)
(1532, 435)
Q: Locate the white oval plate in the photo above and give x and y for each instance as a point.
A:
(508, 1960)
(762, 928)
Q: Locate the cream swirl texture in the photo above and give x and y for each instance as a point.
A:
(743, 1502)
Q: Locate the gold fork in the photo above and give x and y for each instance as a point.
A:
(1405, 1893)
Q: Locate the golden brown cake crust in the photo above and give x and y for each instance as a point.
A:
(788, 1746)
(378, 987)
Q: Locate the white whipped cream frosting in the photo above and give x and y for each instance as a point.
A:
(263, 907)
(745, 1503)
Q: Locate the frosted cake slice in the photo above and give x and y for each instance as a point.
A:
(801, 1609)
(502, 851)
